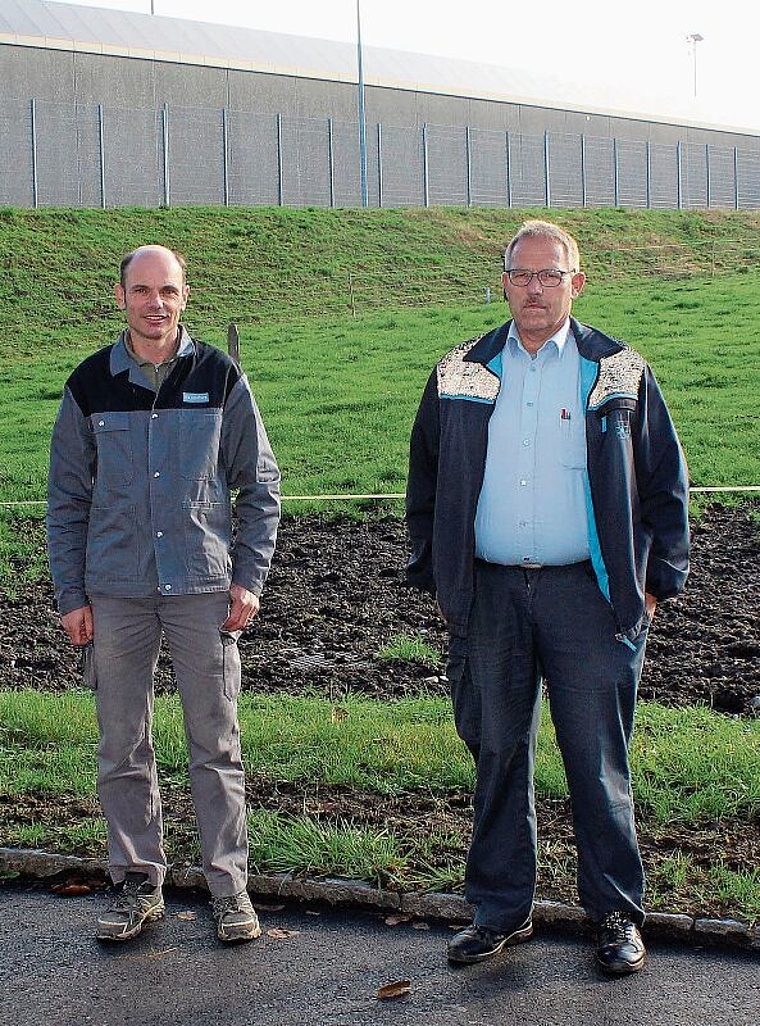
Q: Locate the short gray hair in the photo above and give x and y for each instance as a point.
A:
(546, 230)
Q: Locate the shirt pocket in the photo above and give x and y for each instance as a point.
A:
(113, 442)
(571, 450)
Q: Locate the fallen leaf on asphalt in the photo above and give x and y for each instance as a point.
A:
(420, 926)
(187, 916)
(311, 912)
(260, 906)
(338, 713)
(394, 990)
(280, 934)
(397, 919)
(71, 890)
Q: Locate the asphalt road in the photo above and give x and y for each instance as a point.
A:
(324, 968)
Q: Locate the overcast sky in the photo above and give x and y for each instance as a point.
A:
(640, 49)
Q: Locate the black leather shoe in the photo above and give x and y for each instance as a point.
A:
(620, 948)
(479, 942)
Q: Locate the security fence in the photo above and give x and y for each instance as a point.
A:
(96, 156)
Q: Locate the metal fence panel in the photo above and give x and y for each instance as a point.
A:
(448, 175)
(693, 176)
(600, 172)
(305, 162)
(346, 165)
(748, 179)
(68, 155)
(722, 191)
(16, 160)
(663, 162)
(402, 163)
(132, 159)
(633, 178)
(565, 171)
(196, 156)
(527, 170)
(489, 168)
(253, 159)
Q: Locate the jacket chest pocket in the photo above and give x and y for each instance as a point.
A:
(199, 440)
(113, 442)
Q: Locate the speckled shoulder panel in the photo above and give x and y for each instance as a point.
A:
(619, 375)
(458, 379)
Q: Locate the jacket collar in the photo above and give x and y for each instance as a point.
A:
(592, 343)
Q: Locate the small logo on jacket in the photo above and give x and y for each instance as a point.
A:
(195, 397)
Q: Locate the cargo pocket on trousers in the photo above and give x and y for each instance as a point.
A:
(230, 663)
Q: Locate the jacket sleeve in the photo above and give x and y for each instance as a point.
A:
(421, 488)
(70, 478)
(663, 487)
(252, 471)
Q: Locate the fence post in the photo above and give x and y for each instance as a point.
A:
(280, 184)
(736, 177)
(165, 140)
(468, 145)
(584, 181)
(508, 168)
(649, 173)
(679, 183)
(330, 161)
(615, 171)
(547, 172)
(708, 184)
(102, 150)
(379, 164)
(225, 158)
(35, 181)
(425, 181)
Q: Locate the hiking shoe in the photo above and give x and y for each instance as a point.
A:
(137, 902)
(235, 918)
(479, 942)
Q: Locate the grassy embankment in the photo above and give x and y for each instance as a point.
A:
(341, 316)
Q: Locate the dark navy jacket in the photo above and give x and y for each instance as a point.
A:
(636, 490)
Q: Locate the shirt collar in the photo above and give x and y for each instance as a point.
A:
(122, 356)
(559, 338)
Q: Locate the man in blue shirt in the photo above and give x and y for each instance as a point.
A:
(547, 508)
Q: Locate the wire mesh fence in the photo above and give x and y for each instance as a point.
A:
(88, 155)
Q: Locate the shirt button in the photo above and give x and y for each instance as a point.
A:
(526, 441)
(523, 482)
(157, 474)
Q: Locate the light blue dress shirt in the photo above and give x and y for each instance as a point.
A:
(532, 505)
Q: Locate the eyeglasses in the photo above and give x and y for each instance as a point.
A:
(550, 277)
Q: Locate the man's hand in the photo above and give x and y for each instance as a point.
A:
(650, 603)
(78, 625)
(244, 605)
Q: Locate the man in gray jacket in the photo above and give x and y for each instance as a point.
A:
(154, 435)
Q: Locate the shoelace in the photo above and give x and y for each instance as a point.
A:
(228, 904)
(128, 894)
(618, 927)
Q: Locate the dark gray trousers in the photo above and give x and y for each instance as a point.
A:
(551, 625)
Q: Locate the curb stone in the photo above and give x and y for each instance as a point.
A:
(339, 893)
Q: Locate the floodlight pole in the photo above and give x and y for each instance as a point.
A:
(362, 119)
(694, 38)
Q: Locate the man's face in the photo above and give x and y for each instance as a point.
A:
(539, 310)
(153, 298)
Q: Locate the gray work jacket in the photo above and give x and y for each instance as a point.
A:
(141, 483)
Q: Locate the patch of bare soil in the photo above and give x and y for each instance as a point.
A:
(336, 596)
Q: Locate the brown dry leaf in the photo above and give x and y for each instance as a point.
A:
(338, 713)
(71, 890)
(187, 915)
(394, 990)
(396, 920)
(279, 934)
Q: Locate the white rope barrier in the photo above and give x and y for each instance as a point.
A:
(398, 495)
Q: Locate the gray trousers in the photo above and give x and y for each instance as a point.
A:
(207, 669)
(551, 625)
